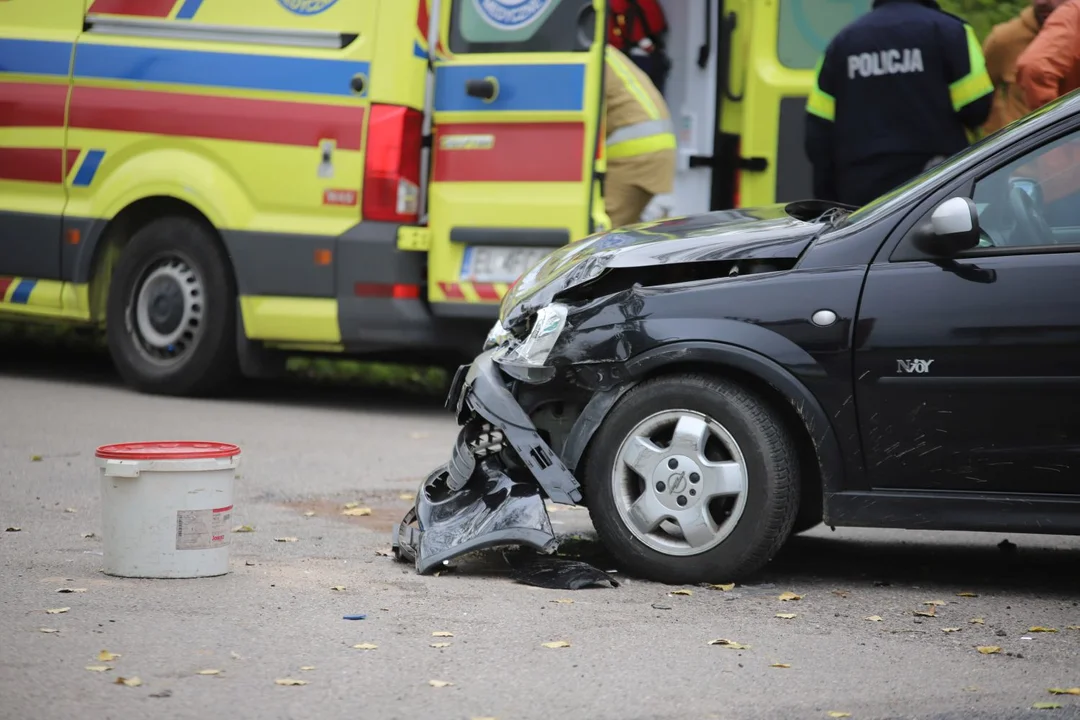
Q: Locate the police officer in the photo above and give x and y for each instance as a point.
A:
(640, 144)
(897, 90)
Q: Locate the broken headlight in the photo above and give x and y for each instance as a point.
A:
(526, 360)
(497, 336)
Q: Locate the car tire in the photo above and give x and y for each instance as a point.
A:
(171, 311)
(743, 542)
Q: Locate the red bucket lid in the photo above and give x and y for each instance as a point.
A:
(182, 450)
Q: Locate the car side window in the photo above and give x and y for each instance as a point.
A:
(1034, 200)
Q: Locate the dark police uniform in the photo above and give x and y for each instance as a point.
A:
(896, 88)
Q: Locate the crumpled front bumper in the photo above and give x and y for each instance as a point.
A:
(485, 496)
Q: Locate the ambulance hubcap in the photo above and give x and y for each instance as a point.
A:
(168, 310)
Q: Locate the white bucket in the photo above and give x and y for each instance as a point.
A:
(166, 507)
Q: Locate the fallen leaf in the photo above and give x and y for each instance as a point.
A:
(365, 646)
(71, 590)
(1040, 628)
(873, 618)
(130, 682)
(1072, 627)
(841, 593)
(290, 681)
(562, 601)
(70, 510)
(931, 612)
(786, 596)
(357, 511)
(1068, 691)
(442, 633)
(305, 668)
(723, 586)
(936, 603)
(407, 496)
(723, 642)
(48, 630)
(389, 552)
(309, 513)
(966, 594)
(780, 665)
(786, 616)
(339, 588)
(13, 529)
(556, 644)
(440, 645)
(977, 621)
(285, 539)
(439, 683)
(35, 458)
(89, 536)
(209, 672)
(235, 655)
(950, 629)
(243, 528)
(99, 668)
(838, 714)
(106, 656)
(682, 592)
(1046, 706)
(56, 611)
(988, 649)
(351, 505)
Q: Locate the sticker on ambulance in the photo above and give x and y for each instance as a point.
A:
(467, 142)
(339, 197)
(306, 7)
(510, 14)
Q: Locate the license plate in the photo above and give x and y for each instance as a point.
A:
(499, 264)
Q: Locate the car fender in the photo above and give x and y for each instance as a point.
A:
(720, 354)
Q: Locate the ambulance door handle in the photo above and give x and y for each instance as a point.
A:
(486, 89)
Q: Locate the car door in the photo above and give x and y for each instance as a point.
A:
(968, 369)
(516, 118)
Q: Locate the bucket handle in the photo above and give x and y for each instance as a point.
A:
(121, 468)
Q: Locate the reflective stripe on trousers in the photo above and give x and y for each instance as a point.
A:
(641, 138)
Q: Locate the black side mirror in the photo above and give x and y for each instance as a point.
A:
(953, 228)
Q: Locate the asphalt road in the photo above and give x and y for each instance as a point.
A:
(636, 651)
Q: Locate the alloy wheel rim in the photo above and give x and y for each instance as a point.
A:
(680, 482)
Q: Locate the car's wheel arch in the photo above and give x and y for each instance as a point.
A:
(819, 449)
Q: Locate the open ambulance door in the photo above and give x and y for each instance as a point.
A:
(768, 55)
(515, 125)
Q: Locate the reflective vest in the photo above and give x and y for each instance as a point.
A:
(637, 118)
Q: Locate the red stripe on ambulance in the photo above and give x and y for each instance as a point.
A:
(5, 283)
(486, 291)
(139, 8)
(44, 165)
(215, 117)
(32, 104)
(516, 152)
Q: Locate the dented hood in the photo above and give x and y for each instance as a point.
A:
(774, 231)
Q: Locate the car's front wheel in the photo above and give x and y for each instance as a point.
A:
(692, 478)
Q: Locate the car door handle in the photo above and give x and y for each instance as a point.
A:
(487, 89)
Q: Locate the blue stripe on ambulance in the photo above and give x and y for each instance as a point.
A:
(89, 168)
(521, 87)
(37, 57)
(21, 294)
(218, 69)
(188, 9)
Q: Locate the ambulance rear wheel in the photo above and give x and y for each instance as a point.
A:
(171, 315)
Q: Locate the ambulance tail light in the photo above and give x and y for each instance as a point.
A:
(392, 166)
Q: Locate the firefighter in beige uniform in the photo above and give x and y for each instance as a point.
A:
(640, 143)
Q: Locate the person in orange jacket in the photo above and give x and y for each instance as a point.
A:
(1047, 69)
(1050, 65)
(1001, 49)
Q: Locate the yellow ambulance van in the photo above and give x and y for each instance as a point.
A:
(219, 184)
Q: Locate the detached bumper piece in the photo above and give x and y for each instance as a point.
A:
(480, 500)
(491, 509)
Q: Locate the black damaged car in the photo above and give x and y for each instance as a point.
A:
(708, 385)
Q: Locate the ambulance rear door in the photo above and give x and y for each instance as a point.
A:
(786, 40)
(516, 120)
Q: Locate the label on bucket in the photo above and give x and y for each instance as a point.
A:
(202, 529)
